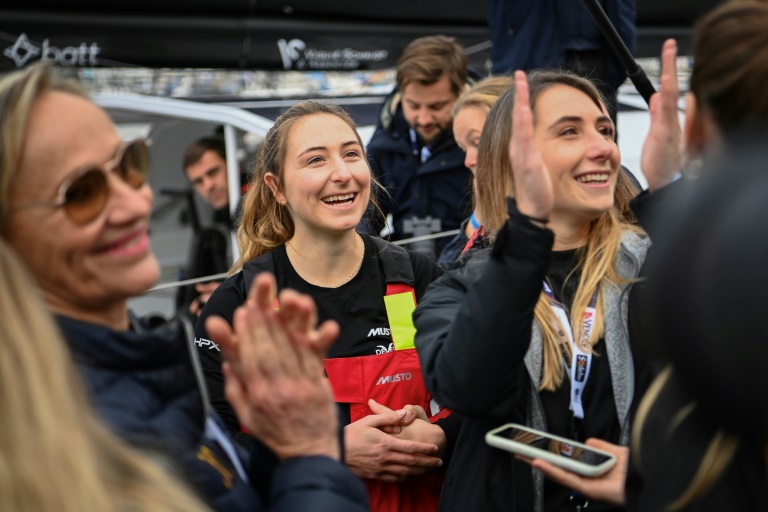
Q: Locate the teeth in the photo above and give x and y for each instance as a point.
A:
(594, 177)
(334, 199)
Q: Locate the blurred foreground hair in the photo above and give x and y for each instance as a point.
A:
(54, 455)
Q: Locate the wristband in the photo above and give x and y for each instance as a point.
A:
(473, 221)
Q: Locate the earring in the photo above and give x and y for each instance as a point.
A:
(692, 169)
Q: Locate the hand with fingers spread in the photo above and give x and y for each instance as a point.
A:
(608, 487)
(415, 426)
(371, 453)
(531, 180)
(663, 150)
(274, 372)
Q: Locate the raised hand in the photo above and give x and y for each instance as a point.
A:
(530, 177)
(274, 372)
(664, 150)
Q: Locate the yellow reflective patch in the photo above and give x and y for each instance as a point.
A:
(400, 315)
(206, 455)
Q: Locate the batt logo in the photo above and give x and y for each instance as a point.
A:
(581, 368)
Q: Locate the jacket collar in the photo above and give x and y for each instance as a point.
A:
(143, 383)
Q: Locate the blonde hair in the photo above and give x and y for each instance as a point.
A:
(483, 94)
(54, 455)
(718, 455)
(597, 259)
(18, 92)
(265, 223)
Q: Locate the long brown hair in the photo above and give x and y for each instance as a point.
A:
(730, 63)
(54, 454)
(265, 223)
(596, 259)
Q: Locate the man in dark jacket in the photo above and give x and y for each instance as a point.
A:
(529, 34)
(413, 152)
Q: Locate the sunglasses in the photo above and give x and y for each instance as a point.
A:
(84, 194)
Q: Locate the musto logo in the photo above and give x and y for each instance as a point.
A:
(296, 55)
(23, 50)
(389, 379)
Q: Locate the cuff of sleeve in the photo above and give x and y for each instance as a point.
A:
(318, 478)
(517, 222)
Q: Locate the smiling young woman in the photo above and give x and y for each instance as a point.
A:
(547, 299)
(309, 191)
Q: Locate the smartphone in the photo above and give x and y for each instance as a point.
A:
(564, 453)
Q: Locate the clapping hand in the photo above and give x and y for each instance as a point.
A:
(663, 149)
(273, 371)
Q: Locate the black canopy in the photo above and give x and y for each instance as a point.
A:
(269, 34)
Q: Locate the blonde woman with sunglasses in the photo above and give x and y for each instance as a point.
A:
(74, 202)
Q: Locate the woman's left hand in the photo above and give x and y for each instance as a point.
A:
(608, 487)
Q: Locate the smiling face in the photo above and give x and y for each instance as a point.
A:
(326, 179)
(83, 270)
(575, 138)
(467, 127)
(427, 108)
(209, 177)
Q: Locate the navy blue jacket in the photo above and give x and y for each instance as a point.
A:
(529, 34)
(147, 386)
(440, 187)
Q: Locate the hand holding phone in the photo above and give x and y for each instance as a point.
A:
(564, 453)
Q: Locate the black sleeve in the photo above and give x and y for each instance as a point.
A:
(425, 272)
(655, 211)
(227, 297)
(451, 426)
(472, 336)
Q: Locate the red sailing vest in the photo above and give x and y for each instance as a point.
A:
(393, 379)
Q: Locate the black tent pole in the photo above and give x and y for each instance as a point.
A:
(620, 50)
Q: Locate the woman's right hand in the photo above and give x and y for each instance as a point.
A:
(530, 178)
(664, 149)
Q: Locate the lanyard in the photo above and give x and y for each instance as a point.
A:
(581, 361)
(426, 151)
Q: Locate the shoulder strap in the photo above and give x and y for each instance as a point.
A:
(263, 263)
(396, 262)
(400, 297)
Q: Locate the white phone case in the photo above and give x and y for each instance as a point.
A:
(493, 439)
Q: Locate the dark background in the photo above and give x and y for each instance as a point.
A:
(245, 33)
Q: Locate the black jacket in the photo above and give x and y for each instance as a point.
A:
(440, 187)
(147, 386)
(481, 353)
(703, 310)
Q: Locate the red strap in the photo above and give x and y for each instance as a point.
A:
(395, 288)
